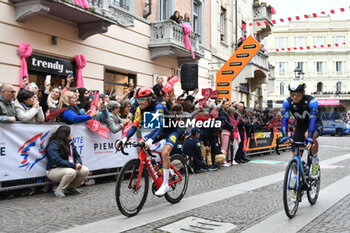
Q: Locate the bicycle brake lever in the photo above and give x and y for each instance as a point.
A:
(122, 150)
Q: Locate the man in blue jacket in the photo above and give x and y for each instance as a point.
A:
(192, 148)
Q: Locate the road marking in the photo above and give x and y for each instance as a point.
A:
(194, 224)
(265, 161)
(329, 196)
(160, 211)
(338, 147)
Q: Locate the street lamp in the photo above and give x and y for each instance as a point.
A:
(298, 72)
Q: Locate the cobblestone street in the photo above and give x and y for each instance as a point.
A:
(46, 213)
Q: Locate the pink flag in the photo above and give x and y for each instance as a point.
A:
(206, 92)
(51, 117)
(170, 84)
(96, 127)
(202, 102)
(126, 129)
(94, 103)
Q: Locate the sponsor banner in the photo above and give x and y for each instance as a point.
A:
(328, 102)
(264, 138)
(22, 149)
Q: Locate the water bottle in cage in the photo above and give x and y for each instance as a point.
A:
(154, 164)
(160, 169)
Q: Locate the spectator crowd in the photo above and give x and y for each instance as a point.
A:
(215, 147)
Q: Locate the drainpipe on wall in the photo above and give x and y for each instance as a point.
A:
(236, 26)
(145, 13)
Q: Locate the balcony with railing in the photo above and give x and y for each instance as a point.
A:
(100, 15)
(256, 71)
(262, 14)
(167, 39)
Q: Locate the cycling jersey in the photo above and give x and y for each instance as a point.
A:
(305, 113)
(159, 133)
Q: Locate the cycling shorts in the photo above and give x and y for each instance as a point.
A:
(299, 134)
(171, 137)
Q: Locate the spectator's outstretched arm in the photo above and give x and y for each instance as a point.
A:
(71, 116)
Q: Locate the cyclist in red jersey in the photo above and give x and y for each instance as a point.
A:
(146, 104)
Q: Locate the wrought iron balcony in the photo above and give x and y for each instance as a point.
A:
(100, 15)
(167, 39)
(262, 14)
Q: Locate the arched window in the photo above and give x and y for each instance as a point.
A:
(319, 87)
(282, 88)
(339, 86)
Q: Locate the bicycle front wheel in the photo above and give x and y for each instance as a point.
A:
(179, 186)
(130, 199)
(313, 188)
(290, 194)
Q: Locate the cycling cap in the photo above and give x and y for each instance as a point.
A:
(297, 85)
(144, 92)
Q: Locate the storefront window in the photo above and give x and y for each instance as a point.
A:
(39, 66)
(116, 82)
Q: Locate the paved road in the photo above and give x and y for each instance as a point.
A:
(244, 195)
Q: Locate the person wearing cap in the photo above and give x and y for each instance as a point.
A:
(309, 126)
(114, 122)
(192, 148)
(157, 111)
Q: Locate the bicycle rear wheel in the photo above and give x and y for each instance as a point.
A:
(291, 195)
(313, 188)
(178, 189)
(129, 199)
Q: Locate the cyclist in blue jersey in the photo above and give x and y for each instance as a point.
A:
(304, 108)
(146, 104)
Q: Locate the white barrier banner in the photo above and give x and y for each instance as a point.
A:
(22, 149)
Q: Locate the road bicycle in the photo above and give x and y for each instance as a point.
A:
(133, 180)
(295, 186)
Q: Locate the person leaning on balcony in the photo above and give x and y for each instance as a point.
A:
(7, 109)
(175, 16)
(187, 19)
(64, 164)
(27, 107)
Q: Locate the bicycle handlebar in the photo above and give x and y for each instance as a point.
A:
(134, 144)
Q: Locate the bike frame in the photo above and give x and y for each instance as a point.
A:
(146, 160)
(297, 158)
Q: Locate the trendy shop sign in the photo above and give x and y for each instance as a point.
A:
(50, 65)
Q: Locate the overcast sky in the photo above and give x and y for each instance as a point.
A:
(285, 8)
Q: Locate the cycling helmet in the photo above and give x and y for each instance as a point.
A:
(144, 92)
(297, 85)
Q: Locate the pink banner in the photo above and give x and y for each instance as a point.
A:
(328, 102)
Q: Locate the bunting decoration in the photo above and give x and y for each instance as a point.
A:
(296, 18)
(308, 47)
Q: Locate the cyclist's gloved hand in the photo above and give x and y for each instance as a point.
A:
(149, 143)
(121, 143)
(310, 140)
(286, 139)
